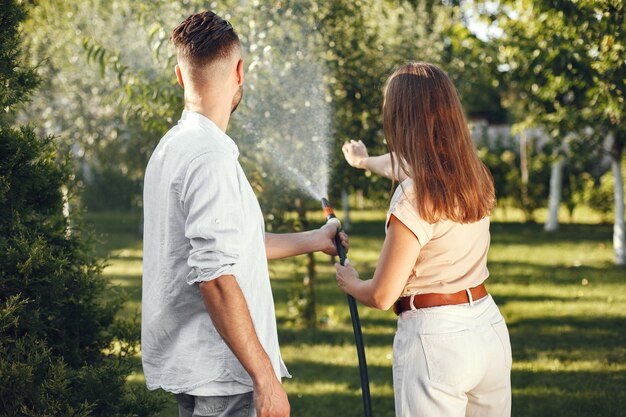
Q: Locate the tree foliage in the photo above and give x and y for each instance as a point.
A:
(564, 64)
(355, 45)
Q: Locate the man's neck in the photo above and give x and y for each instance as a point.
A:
(214, 110)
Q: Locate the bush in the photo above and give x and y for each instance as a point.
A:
(504, 162)
(62, 351)
(599, 194)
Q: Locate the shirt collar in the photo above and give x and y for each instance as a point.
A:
(207, 124)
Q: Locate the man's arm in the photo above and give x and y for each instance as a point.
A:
(283, 245)
(229, 312)
(356, 155)
(211, 203)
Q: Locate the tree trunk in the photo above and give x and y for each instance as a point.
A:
(556, 184)
(523, 155)
(309, 310)
(66, 210)
(619, 238)
(345, 203)
(360, 199)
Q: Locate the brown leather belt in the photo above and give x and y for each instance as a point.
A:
(436, 300)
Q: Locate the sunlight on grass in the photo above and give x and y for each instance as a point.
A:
(124, 267)
(551, 364)
(335, 354)
(323, 388)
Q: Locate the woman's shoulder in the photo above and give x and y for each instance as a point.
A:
(404, 192)
(404, 199)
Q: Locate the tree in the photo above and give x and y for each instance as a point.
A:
(62, 351)
(564, 63)
(80, 104)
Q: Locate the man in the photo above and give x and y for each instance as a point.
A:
(206, 250)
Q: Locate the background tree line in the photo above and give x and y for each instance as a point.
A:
(110, 93)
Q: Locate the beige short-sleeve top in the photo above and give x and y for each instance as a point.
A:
(453, 256)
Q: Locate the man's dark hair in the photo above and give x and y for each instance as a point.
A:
(203, 38)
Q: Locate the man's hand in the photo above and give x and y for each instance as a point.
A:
(355, 153)
(327, 237)
(270, 399)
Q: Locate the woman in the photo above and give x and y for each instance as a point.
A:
(451, 353)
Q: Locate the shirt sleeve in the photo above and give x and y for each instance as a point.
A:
(211, 203)
(405, 210)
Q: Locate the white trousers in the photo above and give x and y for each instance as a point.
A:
(452, 361)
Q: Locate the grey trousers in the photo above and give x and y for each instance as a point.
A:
(241, 405)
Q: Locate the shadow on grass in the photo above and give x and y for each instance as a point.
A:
(315, 372)
(570, 338)
(526, 273)
(572, 394)
(114, 231)
(331, 336)
(533, 233)
(504, 299)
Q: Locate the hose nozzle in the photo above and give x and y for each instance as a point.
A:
(329, 213)
(328, 209)
(330, 216)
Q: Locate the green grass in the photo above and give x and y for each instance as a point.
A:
(564, 301)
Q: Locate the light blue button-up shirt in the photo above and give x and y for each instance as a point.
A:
(201, 221)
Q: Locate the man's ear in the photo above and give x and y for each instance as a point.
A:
(240, 72)
(179, 76)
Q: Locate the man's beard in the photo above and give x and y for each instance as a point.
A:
(237, 99)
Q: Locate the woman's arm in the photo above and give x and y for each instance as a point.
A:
(396, 262)
(356, 155)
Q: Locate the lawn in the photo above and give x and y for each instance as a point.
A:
(564, 301)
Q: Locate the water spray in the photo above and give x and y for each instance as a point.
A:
(354, 314)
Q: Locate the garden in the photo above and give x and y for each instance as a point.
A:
(87, 89)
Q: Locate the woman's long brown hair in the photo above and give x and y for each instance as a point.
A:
(428, 136)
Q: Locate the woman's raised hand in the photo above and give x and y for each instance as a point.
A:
(355, 153)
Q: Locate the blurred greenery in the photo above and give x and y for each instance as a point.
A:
(315, 74)
(563, 300)
(111, 92)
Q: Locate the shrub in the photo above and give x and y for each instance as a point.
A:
(62, 350)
